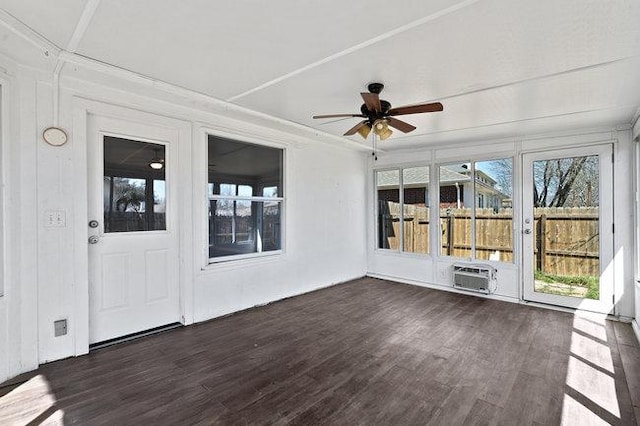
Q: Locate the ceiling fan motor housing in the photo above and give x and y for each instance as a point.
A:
(375, 88)
(372, 115)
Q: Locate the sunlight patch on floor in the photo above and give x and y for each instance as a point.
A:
(37, 392)
(574, 413)
(592, 351)
(592, 325)
(590, 373)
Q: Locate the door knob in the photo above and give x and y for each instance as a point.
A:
(527, 231)
(93, 239)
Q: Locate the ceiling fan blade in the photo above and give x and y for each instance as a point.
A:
(416, 109)
(372, 101)
(400, 125)
(338, 115)
(354, 129)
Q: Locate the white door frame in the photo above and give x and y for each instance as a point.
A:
(82, 109)
(607, 285)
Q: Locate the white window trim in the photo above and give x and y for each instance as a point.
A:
(400, 250)
(202, 187)
(433, 191)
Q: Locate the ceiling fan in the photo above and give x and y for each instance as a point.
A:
(380, 116)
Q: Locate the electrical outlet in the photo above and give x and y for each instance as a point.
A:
(60, 327)
(55, 219)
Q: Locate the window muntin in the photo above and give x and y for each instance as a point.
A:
(245, 198)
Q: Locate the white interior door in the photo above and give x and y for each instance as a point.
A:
(133, 235)
(568, 228)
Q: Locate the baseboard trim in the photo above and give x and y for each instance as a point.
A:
(492, 296)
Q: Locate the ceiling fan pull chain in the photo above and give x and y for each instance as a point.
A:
(374, 145)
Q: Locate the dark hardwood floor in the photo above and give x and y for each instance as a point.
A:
(364, 352)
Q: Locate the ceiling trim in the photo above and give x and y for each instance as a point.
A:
(417, 138)
(360, 46)
(223, 106)
(82, 25)
(28, 34)
(536, 78)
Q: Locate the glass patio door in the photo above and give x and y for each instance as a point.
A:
(568, 228)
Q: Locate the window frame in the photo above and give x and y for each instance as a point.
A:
(281, 200)
(400, 250)
(433, 194)
(474, 198)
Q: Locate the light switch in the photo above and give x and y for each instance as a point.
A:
(55, 219)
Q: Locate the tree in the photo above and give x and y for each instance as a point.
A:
(566, 182)
(127, 194)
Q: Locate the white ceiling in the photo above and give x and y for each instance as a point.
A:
(500, 67)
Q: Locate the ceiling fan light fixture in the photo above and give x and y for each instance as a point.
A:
(381, 128)
(156, 162)
(385, 134)
(364, 131)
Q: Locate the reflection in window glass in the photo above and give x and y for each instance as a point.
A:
(134, 193)
(241, 177)
(270, 225)
(415, 185)
(270, 191)
(456, 200)
(494, 211)
(388, 187)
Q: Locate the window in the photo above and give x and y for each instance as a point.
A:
(388, 186)
(480, 230)
(134, 193)
(245, 198)
(411, 210)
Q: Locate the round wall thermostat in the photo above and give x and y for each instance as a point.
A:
(54, 136)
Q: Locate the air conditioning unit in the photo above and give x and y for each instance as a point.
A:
(480, 278)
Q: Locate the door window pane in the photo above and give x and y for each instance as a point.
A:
(388, 187)
(494, 211)
(566, 226)
(134, 193)
(415, 185)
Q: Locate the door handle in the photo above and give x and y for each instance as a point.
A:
(94, 239)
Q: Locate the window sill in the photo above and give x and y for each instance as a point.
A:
(404, 254)
(243, 260)
(494, 263)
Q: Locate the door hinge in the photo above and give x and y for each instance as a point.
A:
(613, 228)
(613, 299)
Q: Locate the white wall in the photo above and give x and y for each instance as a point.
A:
(435, 271)
(46, 268)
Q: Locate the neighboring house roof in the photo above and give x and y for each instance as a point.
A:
(419, 177)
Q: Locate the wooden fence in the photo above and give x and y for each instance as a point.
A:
(566, 239)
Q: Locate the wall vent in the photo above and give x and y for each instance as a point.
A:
(480, 278)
